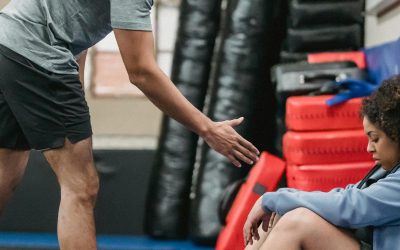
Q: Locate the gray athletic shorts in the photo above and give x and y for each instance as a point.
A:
(39, 109)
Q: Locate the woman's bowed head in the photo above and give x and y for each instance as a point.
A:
(381, 121)
(293, 219)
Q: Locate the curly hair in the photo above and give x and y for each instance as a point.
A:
(382, 108)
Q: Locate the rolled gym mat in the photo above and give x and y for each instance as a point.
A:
(238, 85)
(325, 13)
(328, 1)
(325, 38)
(290, 57)
(168, 196)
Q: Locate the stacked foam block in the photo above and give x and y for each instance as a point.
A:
(324, 147)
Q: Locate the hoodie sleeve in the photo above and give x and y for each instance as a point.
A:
(350, 207)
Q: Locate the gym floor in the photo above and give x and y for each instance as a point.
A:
(43, 241)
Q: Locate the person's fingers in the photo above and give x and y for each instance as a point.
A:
(271, 220)
(247, 234)
(265, 223)
(235, 122)
(256, 236)
(242, 157)
(248, 145)
(234, 161)
(245, 154)
(250, 238)
(264, 226)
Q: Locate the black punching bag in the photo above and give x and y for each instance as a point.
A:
(168, 196)
(238, 80)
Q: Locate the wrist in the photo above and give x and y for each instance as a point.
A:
(205, 128)
(263, 202)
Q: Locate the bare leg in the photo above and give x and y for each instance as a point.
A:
(12, 168)
(263, 234)
(258, 243)
(78, 179)
(304, 229)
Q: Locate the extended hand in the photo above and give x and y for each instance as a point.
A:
(225, 140)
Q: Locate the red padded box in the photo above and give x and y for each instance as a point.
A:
(358, 57)
(318, 147)
(324, 177)
(263, 177)
(310, 113)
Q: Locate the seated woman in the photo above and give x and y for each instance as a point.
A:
(361, 216)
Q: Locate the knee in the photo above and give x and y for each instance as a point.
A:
(91, 190)
(297, 219)
(83, 190)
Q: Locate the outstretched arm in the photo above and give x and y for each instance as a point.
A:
(137, 52)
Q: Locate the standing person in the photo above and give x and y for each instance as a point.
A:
(362, 216)
(43, 47)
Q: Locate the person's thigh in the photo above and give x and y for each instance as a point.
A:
(314, 232)
(327, 236)
(13, 160)
(12, 168)
(73, 165)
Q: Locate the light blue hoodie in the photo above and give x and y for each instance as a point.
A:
(377, 205)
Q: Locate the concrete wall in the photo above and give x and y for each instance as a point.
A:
(383, 28)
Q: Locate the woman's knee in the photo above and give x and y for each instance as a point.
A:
(291, 230)
(299, 218)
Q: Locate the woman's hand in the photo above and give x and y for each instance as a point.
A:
(256, 216)
(263, 232)
(226, 141)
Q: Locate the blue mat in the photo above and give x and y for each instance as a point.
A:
(49, 241)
